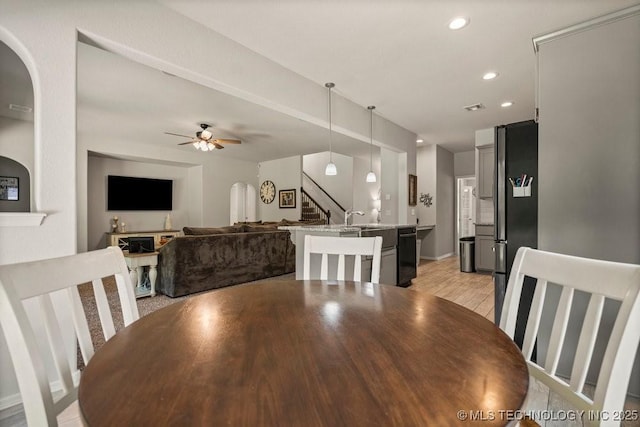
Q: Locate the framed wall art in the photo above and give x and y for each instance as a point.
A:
(9, 188)
(287, 198)
(413, 190)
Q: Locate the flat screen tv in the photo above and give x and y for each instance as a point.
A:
(127, 193)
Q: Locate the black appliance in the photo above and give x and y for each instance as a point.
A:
(515, 208)
(138, 245)
(127, 193)
(406, 255)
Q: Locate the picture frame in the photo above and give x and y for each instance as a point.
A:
(287, 198)
(9, 188)
(413, 190)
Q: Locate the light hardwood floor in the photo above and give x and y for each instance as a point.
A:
(444, 279)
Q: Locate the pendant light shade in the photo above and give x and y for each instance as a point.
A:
(371, 176)
(331, 167)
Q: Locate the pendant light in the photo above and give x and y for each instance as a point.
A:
(371, 176)
(331, 167)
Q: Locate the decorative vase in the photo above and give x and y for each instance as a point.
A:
(167, 222)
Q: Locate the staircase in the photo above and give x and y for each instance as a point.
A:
(311, 211)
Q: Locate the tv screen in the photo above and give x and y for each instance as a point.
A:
(126, 193)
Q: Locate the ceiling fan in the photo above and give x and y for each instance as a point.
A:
(204, 139)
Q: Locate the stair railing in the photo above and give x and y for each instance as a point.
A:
(311, 210)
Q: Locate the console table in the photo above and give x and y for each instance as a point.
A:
(136, 263)
(159, 237)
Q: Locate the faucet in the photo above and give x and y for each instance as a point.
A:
(348, 213)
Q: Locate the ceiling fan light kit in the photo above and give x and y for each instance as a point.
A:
(204, 140)
(331, 167)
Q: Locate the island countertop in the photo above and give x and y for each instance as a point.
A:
(333, 228)
(329, 228)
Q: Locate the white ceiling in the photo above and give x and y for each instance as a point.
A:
(397, 55)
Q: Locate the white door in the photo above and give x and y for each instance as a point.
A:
(242, 203)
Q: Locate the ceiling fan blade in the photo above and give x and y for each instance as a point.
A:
(188, 142)
(228, 141)
(218, 146)
(177, 134)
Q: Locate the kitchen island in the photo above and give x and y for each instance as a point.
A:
(392, 252)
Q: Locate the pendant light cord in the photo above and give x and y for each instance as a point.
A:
(371, 139)
(330, 132)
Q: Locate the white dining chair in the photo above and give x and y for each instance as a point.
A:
(47, 290)
(601, 280)
(342, 247)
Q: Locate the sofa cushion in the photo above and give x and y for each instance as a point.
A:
(191, 231)
(254, 228)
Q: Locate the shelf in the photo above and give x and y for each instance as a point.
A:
(21, 219)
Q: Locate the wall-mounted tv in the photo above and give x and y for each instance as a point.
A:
(127, 193)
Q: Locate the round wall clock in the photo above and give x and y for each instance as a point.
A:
(267, 192)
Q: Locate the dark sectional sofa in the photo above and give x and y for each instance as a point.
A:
(210, 258)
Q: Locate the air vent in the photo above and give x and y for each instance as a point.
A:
(474, 107)
(20, 108)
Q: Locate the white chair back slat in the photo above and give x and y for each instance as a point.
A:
(33, 284)
(533, 323)
(81, 325)
(355, 247)
(324, 269)
(23, 349)
(587, 341)
(104, 312)
(56, 343)
(126, 293)
(357, 268)
(603, 280)
(341, 267)
(559, 330)
(618, 359)
(512, 296)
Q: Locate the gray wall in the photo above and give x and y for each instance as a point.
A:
(436, 176)
(446, 216)
(589, 149)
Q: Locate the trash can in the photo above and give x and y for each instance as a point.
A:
(467, 254)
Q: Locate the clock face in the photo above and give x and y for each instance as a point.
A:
(267, 192)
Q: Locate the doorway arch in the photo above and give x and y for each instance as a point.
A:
(17, 141)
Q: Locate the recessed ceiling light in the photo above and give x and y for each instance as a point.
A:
(459, 22)
(490, 75)
(419, 141)
(506, 104)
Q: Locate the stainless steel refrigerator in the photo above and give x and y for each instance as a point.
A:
(515, 207)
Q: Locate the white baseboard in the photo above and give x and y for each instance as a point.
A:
(12, 404)
(441, 257)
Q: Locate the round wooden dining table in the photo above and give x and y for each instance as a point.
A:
(306, 353)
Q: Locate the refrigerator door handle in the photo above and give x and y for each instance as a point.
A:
(500, 248)
(499, 183)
